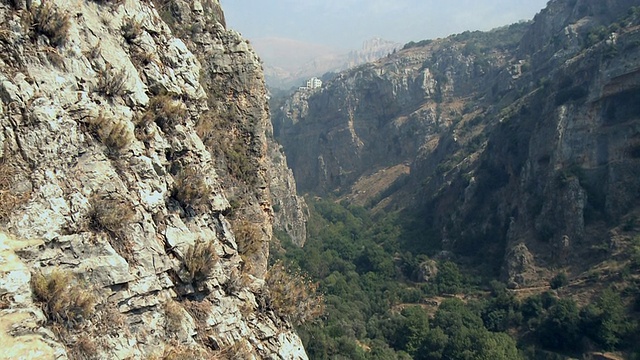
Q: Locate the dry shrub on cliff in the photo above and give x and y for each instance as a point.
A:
(236, 281)
(45, 19)
(84, 347)
(165, 111)
(110, 213)
(182, 352)
(200, 310)
(225, 139)
(248, 237)
(131, 30)
(191, 187)
(239, 350)
(292, 296)
(200, 259)
(111, 82)
(65, 302)
(116, 134)
(174, 316)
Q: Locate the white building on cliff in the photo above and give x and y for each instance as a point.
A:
(314, 83)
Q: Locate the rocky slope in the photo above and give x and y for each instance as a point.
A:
(518, 145)
(136, 184)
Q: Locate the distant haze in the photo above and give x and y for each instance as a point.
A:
(301, 38)
(345, 24)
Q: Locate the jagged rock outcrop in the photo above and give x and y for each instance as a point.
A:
(238, 127)
(127, 147)
(290, 211)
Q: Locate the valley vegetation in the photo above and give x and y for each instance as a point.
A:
(379, 304)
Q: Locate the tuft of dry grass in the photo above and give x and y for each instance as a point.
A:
(191, 187)
(200, 259)
(174, 316)
(220, 134)
(182, 352)
(111, 82)
(248, 237)
(200, 310)
(54, 56)
(110, 213)
(165, 111)
(113, 214)
(112, 321)
(116, 134)
(85, 347)
(235, 282)
(65, 302)
(131, 30)
(45, 19)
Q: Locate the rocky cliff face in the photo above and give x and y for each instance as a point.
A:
(521, 142)
(561, 168)
(136, 185)
(389, 112)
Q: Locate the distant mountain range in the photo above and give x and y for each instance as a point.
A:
(287, 62)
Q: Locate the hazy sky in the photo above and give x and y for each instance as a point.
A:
(347, 23)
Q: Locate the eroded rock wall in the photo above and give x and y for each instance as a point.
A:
(106, 117)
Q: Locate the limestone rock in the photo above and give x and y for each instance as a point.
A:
(427, 270)
(104, 141)
(518, 265)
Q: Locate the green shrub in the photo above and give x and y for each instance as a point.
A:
(449, 279)
(635, 252)
(606, 322)
(560, 328)
(558, 281)
(65, 302)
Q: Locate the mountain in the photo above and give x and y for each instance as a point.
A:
(288, 63)
(139, 185)
(513, 149)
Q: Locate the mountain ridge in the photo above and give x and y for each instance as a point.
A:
(288, 63)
